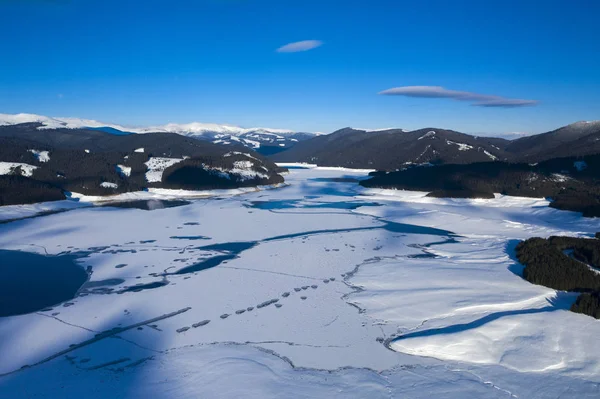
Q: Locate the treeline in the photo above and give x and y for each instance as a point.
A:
(581, 199)
(588, 303)
(69, 171)
(22, 190)
(565, 263)
(572, 183)
(84, 171)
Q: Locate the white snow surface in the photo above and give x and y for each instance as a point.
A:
(490, 155)
(241, 153)
(124, 170)
(438, 275)
(242, 169)
(107, 184)
(41, 156)
(583, 123)
(139, 150)
(156, 167)
(7, 168)
(243, 164)
(461, 146)
(431, 134)
(165, 194)
(382, 129)
(560, 177)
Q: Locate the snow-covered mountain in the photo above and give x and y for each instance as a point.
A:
(392, 149)
(44, 165)
(579, 138)
(266, 140)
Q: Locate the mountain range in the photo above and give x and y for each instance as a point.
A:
(384, 149)
(396, 149)
(264, 140)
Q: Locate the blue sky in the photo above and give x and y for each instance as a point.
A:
(154, 62)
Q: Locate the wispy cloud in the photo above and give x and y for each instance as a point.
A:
(304, 45)
(479, 100)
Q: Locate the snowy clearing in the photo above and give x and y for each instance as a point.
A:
(124, 170)
(426, 135)
(241, 169)
(491, 156)
(9, 168)
(41, 156)
(461, 146)
(240, 153)
(156, 167)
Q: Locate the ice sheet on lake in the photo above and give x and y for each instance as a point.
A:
(340, 282)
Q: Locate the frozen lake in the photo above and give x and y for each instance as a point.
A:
(317, 289)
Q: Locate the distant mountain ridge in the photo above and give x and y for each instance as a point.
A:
(78, 123)
(383, 149)
(264, 140)
(579, 138)
(395, 149)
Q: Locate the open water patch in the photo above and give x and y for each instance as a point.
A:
(205, 264)
(190, 238)
(142, 287)
(31, 282)
(229, 250)
(232, 247)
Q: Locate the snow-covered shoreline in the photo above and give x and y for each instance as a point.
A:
(77, 200)
(166, 194)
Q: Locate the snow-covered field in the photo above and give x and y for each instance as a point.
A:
(317, 289)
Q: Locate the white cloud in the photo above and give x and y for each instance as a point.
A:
(479, 100)
(304, 45)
